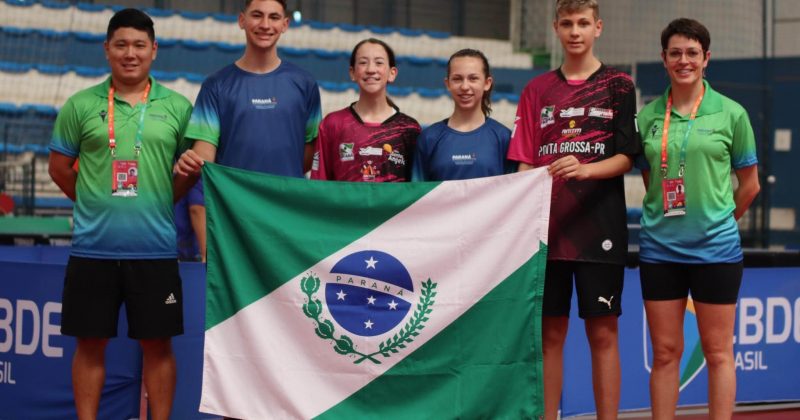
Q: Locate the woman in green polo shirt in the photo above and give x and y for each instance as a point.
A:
(689, 242)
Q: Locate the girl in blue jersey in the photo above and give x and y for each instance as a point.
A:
(469, 144)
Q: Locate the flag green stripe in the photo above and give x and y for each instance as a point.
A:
(486, 364)
(243, 267)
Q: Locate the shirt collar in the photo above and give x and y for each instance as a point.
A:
(712, 101)
(157, 91)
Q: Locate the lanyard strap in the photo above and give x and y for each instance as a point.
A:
(665, 134)
(112, 141)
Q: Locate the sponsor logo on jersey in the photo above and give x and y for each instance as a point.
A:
(266, 103)
(546, 117)
(464, 159)
(573, 112)
(571, 131)
(315, 162)
(397, 158)
(346, 152)
(370, 151)
(601, 113)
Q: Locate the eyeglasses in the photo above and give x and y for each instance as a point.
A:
(691, 54)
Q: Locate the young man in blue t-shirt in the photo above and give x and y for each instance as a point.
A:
(259, 113)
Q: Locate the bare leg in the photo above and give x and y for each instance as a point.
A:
(603, 336)
(88, 375)
(554, 333)
(159, 376)
(665, 319)
(715, 322)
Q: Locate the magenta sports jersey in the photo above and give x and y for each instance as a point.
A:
(592, 121)
(349, 149)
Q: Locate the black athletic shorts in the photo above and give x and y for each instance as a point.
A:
(94, 289)
(598, 285)
(707, 283)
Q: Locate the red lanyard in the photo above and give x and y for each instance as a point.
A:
(665, 133)
(112, 141)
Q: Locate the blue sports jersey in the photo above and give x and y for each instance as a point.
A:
(259, 122)
(188, 247)
(444, 154)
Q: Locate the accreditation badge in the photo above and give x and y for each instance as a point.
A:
(125, 178)
(674, 197)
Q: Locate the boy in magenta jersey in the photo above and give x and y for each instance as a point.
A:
(578, 121)
(371, 140)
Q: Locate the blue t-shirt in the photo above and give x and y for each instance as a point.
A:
(444, 154)
(188, 247)
(259, 122)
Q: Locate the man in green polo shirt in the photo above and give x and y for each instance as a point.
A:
(126, 132)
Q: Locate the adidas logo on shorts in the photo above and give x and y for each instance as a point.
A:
(170, 299)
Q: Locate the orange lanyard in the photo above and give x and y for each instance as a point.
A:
(112, 141)
(665, 134)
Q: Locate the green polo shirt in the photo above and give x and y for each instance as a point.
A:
(721, 139)
(110, 227)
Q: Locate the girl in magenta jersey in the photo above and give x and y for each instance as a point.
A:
(371, 140)
(469, 144)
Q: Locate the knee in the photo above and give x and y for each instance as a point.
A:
(156, 347)
(599, 342)
(602, 333)
(92, 345)
(718, 355)
(554, 334)
(668, 353)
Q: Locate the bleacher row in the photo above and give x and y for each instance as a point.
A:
(223, 28)
(48, 47)
(31, 85)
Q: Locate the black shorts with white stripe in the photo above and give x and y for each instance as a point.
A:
(94, 290)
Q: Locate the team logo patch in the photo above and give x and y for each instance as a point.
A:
(103, 115)
(346, 152)
(571, 131)
(692, 361)
(368, 294)
(573, 112)
(547, 117)
(265, 103)
(654, 130)
(369, 171)
(601, 113)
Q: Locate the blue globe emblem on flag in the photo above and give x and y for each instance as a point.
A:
(368, 293)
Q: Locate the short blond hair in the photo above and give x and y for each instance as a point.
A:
(572, 6)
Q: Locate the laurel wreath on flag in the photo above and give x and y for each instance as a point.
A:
(344, 344)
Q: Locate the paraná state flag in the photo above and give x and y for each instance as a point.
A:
(361, 300)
